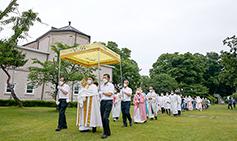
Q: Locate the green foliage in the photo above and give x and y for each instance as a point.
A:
(48, 70)
(234, 95)
(163, 83)
(33, 103)
(229, 60)
(212, 99)
(130, 69)
(20, 24)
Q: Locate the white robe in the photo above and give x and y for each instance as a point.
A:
(179, 103)
(174, 103)
(162, 101)
(88, 110)
(152, 105)
(137, 117)
(167, 99)
(116, 106)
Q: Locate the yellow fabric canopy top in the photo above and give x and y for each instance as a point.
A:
(87, 55)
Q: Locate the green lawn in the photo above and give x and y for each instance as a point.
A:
(37, 123)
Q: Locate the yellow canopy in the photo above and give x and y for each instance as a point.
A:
(87, 55)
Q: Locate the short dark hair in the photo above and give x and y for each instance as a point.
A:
(64, 79)
(91, 78)
(96, 83)
(107, 75)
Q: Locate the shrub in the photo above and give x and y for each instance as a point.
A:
(33, 103)
(212, 99)
(234, 95)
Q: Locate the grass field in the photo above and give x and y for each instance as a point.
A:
(38, 123)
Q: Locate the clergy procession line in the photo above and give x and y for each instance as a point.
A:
(94, 106)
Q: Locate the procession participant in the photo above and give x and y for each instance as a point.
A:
(167, 103)
(190, 105)
(179, 104)
(145, 102)
(106, 92)
(182, 102)
(125, 95)
(174, 103)
(152, 104)
(139, 113)
(203, 104)
(233, 101)
(116, 105)
(199, 103)
(162, 103)
(186, 103)
(229, 103)
(62, 100)
(194, 103)
(88, 112)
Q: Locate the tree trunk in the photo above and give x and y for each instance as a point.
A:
(12, 90)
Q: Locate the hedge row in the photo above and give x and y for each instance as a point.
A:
(33, 103)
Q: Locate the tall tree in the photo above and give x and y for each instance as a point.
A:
(229, 60)
(9, 55)
(130, 69)
(48, 70)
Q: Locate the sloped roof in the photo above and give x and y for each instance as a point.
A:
(68, 28)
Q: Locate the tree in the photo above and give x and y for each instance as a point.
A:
(229, 60)
(48, 72)
(130, 69)
(163, 83)
(145, 83)
(9, 55)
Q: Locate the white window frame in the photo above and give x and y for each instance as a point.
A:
(6, 88)
(33, 90)
(74, 90)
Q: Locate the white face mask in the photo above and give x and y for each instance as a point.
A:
(138, 92)
(60, 83)
(105, 80)
(150, 90)
(125, 85)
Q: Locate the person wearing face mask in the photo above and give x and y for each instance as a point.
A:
(61, 100)
(145, 102)
(106, 93)
(116, 105)
(162, 102)
(152, 104)
(179, 104)
(174, 103)
(125, 95)
(167, 103)
(88, 112)
(139, 113)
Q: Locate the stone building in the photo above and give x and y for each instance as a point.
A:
(40, 49)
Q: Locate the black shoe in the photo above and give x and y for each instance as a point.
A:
(135, 122)
(93, 129)
(104, 136)
(64, 127)
(151, 118)
(156, 118)
(124, 126)
(108, 134)
(57, 129)
(130, 123)
(84, 131)
(114, 120)
(145, 121)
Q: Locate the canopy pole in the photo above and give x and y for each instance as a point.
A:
(121, 73)
(99, 68)
(59, 70)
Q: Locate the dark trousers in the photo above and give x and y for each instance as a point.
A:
(105, 109)
(125, 106)
(162, 110)
(179, 112)
(230, 105)
(62, 118)
(234, 105)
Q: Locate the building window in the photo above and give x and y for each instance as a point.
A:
(76, 90)
(29, 89)
(8, 90)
